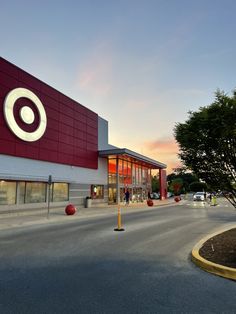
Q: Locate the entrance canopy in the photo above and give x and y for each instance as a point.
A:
(124, 153)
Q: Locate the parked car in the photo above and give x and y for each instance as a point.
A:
(155, 196)
(199, 196)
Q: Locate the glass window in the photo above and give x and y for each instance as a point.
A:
(125, 171)
(7, 193)
(60, 192)
(120, 171)
(149, 177)
(128, 178)
(121, 179)
(137, 174)
(133, 174)
(21, 187)
(144, 175)
(97, 191)
(112, 179)
(112, 165)
(35, 192)
(129, 168)
(112, 195)
(120, 167)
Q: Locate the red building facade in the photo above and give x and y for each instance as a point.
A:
(71, 135)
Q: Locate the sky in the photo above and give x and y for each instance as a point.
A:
(140, 64)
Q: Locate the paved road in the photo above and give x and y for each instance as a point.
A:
(86, 267)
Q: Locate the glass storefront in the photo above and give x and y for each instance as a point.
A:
(112, 180)
(60, 192)
(130, 175)
(111, 195)
(97, 191)
(7, 192)
(35, 192)
(23, 192)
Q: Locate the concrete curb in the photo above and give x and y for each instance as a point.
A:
(216, 269)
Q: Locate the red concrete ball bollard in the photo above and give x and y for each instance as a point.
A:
(177, 199)
(70, 209)
(150, 202)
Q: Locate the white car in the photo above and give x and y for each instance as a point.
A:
(199, 196)
(155, 196)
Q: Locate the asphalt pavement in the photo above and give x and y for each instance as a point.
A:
(84, 266)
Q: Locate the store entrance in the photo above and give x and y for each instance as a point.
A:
(122, 194)
(136, 194)
(139, 194)
(112, 195)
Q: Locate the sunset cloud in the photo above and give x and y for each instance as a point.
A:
(163, 146)
(164, 150)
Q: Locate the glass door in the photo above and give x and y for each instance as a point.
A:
(112, 195)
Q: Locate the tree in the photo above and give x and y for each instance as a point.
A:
(198, 186)
(207, 142)
(187, 179)
(155, 184)
(176, 186)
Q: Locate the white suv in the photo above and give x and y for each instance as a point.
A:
(199, 196)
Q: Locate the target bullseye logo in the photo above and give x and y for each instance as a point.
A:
(26, 114)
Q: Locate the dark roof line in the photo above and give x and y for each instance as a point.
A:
(122, 151)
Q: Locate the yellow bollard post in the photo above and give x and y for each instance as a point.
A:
(119, 226)
(213, 201)
(214, 198)
(119, 219)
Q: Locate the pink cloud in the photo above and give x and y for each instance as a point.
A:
(162, 146)
(164, 150)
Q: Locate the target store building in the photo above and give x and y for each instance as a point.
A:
(52, 146)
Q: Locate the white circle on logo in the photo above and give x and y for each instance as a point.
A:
(26, 114)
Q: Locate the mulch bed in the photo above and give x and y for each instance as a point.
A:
(221, 249)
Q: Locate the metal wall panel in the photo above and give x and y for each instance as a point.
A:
(67, 122)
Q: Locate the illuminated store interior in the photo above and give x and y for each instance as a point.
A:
(130, 171)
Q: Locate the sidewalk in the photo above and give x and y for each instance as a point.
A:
(26, 218)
